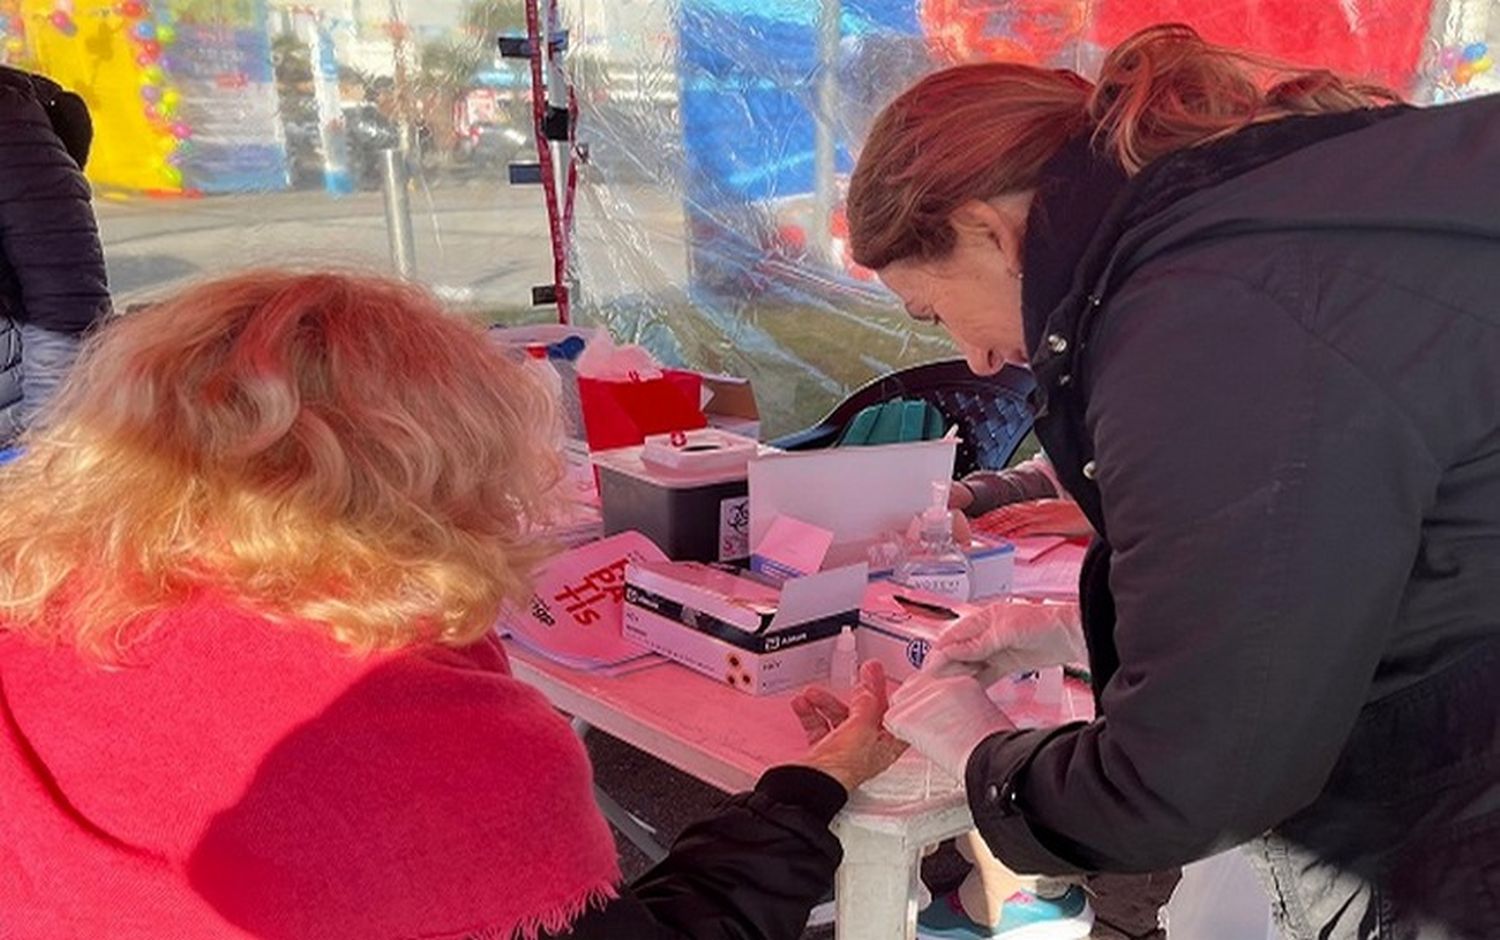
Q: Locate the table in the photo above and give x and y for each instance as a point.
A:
(727, 738)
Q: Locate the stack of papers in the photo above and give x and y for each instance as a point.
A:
(1047, 566)
(574, 617)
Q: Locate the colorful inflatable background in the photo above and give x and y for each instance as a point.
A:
(181, 92)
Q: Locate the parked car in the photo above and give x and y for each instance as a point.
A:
(494, 145)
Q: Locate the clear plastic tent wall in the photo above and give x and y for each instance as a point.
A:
(719, 137)
(721, 134)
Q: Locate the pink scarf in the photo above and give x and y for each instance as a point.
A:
(246, 779)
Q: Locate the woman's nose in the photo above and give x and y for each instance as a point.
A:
(984, 361)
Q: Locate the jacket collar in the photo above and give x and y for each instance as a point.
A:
(1078, 188)
(1087, 215)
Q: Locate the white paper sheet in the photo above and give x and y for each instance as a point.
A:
(857, 493)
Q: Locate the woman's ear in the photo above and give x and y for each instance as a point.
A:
(1000, 221)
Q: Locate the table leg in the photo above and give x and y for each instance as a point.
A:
(875, 893)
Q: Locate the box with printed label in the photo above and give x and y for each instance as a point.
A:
(689, 495)
(899, 624)
(757, 636)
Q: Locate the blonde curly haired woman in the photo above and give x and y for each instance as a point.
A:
(248, 569)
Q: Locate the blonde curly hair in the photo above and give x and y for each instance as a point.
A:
(319, 447)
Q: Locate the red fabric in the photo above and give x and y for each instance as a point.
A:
(1377, 39)
(623, 414)
(250, 780)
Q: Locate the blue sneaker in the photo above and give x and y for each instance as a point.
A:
(1024, 917)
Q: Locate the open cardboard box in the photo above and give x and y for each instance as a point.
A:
(731, 405)
(759, 637)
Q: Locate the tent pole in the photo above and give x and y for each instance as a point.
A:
(825, 111)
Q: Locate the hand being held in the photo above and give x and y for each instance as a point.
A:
(945, 717)
(848, 742)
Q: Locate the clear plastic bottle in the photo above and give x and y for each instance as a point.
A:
(936, 564)
(844, 671)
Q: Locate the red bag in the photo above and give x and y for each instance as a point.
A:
(622, 414)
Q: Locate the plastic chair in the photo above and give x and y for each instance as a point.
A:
(991, 412)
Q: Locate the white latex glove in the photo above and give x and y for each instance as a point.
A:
(1009, 636)
(945, 717)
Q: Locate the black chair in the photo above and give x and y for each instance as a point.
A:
(991, 412)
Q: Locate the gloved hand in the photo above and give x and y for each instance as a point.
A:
(1009, 636)
(945, 717)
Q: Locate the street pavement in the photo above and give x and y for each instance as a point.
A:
(478, 240)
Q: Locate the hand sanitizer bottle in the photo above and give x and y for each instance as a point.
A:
(936, 564)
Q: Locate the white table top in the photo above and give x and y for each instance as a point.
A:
(727, 738)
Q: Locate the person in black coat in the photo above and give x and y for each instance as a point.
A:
(53, 285)
(1260, 308)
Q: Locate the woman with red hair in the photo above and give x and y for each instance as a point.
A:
(1259, 306)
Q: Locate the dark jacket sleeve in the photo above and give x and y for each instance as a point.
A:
(1264, 500)
(992, 489)
(752, 871)
(48, 234)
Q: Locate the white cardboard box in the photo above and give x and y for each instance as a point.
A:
(898, 634)
(755, 636)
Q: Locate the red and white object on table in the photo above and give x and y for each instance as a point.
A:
(627, 396)
(575, 615)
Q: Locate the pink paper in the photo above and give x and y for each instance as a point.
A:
(795, 546)
(574, 617)
(1031, 547)
(1052, 574)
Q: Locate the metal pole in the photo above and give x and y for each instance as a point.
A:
(825, 143)
(401, 79)
(398, 214)
(557, 93)
(337, 179)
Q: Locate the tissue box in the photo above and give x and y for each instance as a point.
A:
(697, 510)
(758, 637)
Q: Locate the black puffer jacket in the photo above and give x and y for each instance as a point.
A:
(51, 264)
(751, 871)
(1269, 371)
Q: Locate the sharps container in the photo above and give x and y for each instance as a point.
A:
(686, 491)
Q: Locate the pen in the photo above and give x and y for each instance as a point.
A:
(1082, 675)
(933, 610)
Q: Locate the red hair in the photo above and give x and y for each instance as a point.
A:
(986, 130)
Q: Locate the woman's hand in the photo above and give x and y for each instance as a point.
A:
(848, 742)
(1060, 517)
(1008, 636)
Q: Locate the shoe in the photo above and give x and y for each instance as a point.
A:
(1024, 917)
